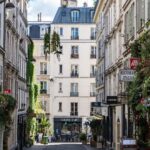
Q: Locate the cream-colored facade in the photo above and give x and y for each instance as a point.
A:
(73, 73)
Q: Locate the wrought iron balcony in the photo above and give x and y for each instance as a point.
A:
(76, 37)
(74, 94)
(74, 113)
(93, 56)
(92, 94)
(74, 75)
(74, 55)
(43, 72)
(93, 37)
(43, 91)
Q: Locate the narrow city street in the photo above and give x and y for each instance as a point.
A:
(61, 146)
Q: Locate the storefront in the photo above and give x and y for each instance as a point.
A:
(67, 129)
(21, 131)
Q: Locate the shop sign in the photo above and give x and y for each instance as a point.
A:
(128, 142)
(112, 99)
(126, 75)
(68, 119)
(134, 63)
(96, 104)
(7, 91)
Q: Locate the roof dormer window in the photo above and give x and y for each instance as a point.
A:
(75, 15)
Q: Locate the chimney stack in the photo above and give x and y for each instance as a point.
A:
(85, 4)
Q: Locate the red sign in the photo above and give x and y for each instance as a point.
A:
(7, 91)
(134, 62)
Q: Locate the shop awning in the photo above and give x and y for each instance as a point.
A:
(95, 117)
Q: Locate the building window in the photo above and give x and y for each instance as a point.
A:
(74, 89)
(92, 71)
(74, 52)
(60, 87)
(74, 109)
(43, 68)
(93, 52)
(74, 33)
(60, 69)
(43, 89)
(61, 31)
(93, 33)
(129, 23)
(60, 107)
(74, 71)
(92, 89)
(140, 13)
(75, 15)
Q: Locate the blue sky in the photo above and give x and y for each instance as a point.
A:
(48, 8)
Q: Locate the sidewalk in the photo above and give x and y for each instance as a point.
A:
(88, 147)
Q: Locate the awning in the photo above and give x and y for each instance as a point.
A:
(95, 117)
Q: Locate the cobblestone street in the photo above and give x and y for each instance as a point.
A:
(61, 146)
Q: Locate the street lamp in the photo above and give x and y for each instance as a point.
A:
(9, 5)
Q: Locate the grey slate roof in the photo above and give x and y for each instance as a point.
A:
(63, 15)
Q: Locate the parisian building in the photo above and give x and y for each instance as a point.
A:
(15, 68)
(36, 31)
(72, 84)
(2, 46)
(118, 23)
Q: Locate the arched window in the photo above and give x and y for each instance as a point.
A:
(75, 15)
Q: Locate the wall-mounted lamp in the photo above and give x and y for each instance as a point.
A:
(9, 5)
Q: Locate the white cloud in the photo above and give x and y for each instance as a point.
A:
(48, 8)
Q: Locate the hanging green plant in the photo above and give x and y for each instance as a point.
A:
(52, 45)
(47, 43)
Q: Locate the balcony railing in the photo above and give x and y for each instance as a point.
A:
(74, 75)
(43, 72)
(74, 113)
(93, 55)
(92, 94)
(43, 91)
(75, 37)
(92, 75)
(74, 55)
(93, 37)
(74, 94)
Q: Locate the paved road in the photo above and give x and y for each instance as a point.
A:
(61, 146)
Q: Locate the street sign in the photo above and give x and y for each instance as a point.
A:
(126, 75)
(112, 100)
(134, 63)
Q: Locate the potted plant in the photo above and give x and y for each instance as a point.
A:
(83, 138)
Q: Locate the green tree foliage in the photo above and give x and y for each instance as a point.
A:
(139, 89)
